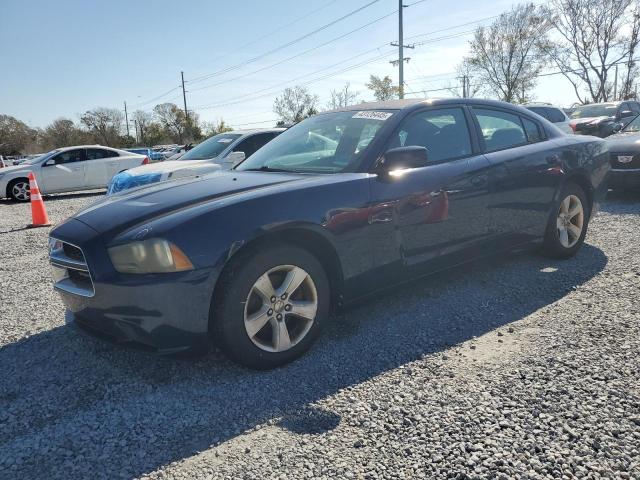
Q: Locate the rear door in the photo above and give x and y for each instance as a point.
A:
(102, 164)
(64, 171)
(526, 172)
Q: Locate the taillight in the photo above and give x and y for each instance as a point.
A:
(573, 126)
(145, 161)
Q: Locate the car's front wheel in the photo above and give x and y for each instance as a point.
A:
(18, 190)
(568, 222)
(270, 306)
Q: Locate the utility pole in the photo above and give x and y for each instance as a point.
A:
(184, 97)
(126, 117)
(464, 86)
(401, 47)
(615, 83)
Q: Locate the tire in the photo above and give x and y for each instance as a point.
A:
(561, 238)
(238, 302)
(18, 190)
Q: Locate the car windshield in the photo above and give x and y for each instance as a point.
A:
(595, 110)
(633, 126)
(326, 143)
(211, 147)
(39, 158)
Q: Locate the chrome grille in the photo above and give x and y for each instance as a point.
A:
(70, 270)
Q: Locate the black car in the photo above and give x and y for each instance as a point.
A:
(340, 206)
(624, 148)
(603, 119)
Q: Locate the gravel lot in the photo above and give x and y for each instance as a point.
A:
(520, 367)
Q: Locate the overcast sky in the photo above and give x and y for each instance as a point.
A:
(60, 58)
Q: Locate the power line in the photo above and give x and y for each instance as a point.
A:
(285, 45)
(296, 55)
(277, 30)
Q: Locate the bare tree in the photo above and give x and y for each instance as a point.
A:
(508, 55)
(468, 84)
(383, 88)
(342, 98)
(104, 124)
(14, 135)
(596, 35)
(172, 119)
(63, 132)
(295, 104)
(143, 121)
(209, 129)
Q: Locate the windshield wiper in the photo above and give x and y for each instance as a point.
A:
(264, 168)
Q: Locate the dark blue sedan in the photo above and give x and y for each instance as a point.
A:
(340, 206)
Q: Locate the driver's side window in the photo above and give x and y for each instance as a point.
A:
(70, 156)
(443, 132)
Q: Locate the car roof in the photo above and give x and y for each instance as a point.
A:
(412, 103)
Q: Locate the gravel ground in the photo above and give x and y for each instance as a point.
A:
(519, 367)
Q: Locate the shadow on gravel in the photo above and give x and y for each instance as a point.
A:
(72, 406)
(60, 196)
(621, 202)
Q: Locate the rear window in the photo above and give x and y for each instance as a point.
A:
(555, 115)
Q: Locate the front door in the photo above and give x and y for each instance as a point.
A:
(437, 210)
(64, 171)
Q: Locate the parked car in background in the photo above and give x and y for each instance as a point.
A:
(140, 151)
(554, 114)
(256, 258)
(220, 152)
(68, 169)
(624, 148)
(603, 119)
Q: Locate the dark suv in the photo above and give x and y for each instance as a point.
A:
(603, 119)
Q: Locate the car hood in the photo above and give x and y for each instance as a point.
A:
(172, 166)
(118, 212)
(624, 142)
(17, 169)
(594, 120)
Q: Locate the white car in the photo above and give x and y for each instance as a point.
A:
(554, 114)
(220, 152)
(68, 169)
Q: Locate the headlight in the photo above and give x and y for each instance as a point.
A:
(149, 256)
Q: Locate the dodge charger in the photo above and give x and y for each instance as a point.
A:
(338, 207)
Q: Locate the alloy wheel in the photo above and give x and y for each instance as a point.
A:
(20, 191)
(280, 308)
(570, 221)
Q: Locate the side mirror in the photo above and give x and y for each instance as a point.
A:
(617, 127)
(626, 114)
(402, 158)
(235, 158)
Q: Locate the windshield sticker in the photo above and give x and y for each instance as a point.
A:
(225, 140)
(382, 116)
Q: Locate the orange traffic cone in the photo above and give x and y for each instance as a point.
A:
(38, 212)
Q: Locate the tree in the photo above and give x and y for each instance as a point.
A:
(63, 132)
(209, 129)
(508, 55)
(383, 88)
(142, 121)
(295, 104)
(596, 35)
(342, 98)
(172, 120)
(14, 135)
(104, 124)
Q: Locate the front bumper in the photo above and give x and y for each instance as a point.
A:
(168, 313)
(624, 179)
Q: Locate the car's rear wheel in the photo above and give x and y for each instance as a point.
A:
(568, 223)
(270, 306)
(18, 190)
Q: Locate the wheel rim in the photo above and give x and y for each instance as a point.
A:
(20, 190)
(280, 308)
(570, 221)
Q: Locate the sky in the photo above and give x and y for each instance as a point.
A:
(61, 58)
